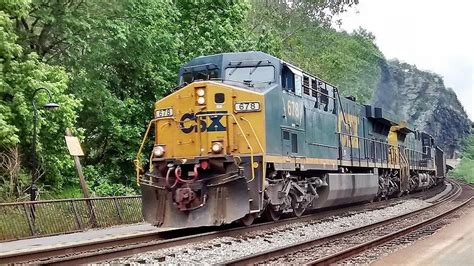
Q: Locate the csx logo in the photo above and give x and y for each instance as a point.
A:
(214, 126)
(351, 128)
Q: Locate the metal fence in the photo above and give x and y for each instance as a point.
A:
(49, 217)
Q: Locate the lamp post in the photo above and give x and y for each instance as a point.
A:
(49, 105)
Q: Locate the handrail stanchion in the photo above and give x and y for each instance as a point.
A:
(253, 131)
(137, 159)
(249, 145)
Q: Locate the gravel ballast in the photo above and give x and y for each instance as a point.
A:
(222, 249)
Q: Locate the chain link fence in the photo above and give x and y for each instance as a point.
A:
(49, 217)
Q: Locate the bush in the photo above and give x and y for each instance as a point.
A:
(465, 170)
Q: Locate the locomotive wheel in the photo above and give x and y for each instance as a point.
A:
(247, 219)
(297, 210)
(271, 214)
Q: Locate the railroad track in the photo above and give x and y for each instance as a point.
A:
(340, 246)
(130, 245)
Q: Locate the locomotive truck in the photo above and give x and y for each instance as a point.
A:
(247, 134)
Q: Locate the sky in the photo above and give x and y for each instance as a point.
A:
(434, 35)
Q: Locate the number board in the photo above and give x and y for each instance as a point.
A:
(247, 107)
(165, 112)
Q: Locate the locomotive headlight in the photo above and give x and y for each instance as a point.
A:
(158, 151)
(200, 92)
(201, 100)
(216, 147)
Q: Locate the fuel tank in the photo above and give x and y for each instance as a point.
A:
(345, 188)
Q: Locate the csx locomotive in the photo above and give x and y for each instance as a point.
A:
(246, 135)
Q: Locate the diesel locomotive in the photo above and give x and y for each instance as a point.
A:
(246, 135)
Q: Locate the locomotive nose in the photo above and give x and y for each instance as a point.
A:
(198, 121)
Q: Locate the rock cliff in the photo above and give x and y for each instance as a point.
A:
(422, 99)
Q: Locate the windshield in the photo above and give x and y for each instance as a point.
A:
(259, 74)
(204, 74)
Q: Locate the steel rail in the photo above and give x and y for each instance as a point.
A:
(129, 245)
(281, 251)
(141, 239)
(339, 256)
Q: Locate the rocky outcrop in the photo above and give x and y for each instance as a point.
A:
(421, 98)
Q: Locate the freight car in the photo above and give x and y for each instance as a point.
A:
(247, 135)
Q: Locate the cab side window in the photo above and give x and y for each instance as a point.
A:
(288, 79)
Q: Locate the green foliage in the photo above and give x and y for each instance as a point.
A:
(15, 7)
(468, 148)
(350, 61)
(121, 73)
(104, 182)
(106, 188)
(465, 169)
(20, 74)
(208, 27)
(107, 62)
(67, 191)
(132, 59)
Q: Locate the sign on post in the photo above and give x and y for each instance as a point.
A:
(74, 147)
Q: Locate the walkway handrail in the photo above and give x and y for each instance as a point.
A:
(49, 217)
(137, 161)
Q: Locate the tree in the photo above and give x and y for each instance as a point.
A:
(306, 38)
(290, 17)
(21, 72)
(52, 29)
(118, 63)
(209, 27)
(128, 61)
(465, 169)
(467, 150)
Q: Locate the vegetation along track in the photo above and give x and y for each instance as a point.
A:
(129, 245)
(340, 246)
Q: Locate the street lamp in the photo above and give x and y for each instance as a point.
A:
(50, 105)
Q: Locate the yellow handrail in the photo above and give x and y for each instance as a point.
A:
(253, 131)
(137, 159)
(249, 145)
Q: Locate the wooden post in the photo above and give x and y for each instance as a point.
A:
(75, 150)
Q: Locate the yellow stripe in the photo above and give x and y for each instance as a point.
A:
(286, 159)
(381, 165)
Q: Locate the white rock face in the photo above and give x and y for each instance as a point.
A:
(421, 98)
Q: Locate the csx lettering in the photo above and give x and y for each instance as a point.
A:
(214, 126)
(351, 129)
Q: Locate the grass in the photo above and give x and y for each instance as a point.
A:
(464, 171)
(66, 192)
